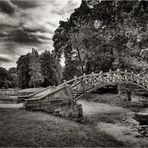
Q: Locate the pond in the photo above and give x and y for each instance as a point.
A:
(142, 118)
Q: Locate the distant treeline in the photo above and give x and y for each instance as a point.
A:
(33, 70)
(8, 78)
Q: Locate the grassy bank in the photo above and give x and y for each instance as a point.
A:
(20, 128)
(115, 100)
(10, 95)
(113, 118)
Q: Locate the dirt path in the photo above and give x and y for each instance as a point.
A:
(125, 132)
(95, 108)
(20, 105)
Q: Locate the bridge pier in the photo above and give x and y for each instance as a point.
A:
(129, 95)
(122, 90)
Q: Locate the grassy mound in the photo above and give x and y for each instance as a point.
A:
(20, 128)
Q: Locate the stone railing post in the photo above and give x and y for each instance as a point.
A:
(143, 81)
(125, 76)
(118, 80)
(65, 82)
(75, 77)
(132, 76)
(75, 80)
(118, 75)
(138, 81)
(101, 75)
(111, 75)
(83, 82)
(68, 90)
(93, 81)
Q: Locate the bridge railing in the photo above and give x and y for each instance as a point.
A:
(22, 98)
(86, 83)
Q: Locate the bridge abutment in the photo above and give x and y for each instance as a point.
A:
(60, 103)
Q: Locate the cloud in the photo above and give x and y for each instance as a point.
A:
(7, 7)
(22, 36)
(30, 23)
(8, 20)
(4, 59)
(8, 49)
(29, 3)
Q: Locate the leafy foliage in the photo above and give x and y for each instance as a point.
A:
(4, 78)
(13, 76)
(36, 77)
(106, 33)
(23, 71)
(36, 70)
(50, 69)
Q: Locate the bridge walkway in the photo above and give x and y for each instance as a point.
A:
(79, 86)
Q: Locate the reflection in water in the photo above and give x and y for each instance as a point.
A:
(142, 118)
(143, 130)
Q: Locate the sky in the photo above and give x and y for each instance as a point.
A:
(27, 24)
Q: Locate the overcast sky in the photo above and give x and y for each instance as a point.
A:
(30, 23)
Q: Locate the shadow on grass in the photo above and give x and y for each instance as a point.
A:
(22, 129)
(106, 118)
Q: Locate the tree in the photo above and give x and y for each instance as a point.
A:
(49, 69)
(13, 76)
(71, 69)
(34, 70)
(36, 77)
(4, 78)
(23, 71)
(106, 33)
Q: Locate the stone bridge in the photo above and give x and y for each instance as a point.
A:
(62, 100)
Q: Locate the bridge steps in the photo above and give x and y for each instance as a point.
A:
(57, 102)
(37, 94)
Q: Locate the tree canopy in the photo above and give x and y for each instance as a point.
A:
(50, 69)
(34, 70)
(108, 34)
(4, 78)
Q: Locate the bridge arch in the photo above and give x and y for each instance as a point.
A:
(88, 83)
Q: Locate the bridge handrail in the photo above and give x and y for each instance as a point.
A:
(31, 95)
(84, 77)
(41, 97)
(98, 74)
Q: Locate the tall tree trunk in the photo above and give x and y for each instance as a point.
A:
(80, 61)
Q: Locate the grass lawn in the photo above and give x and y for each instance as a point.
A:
(10, 95)
(21, 128)
(115, 100)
